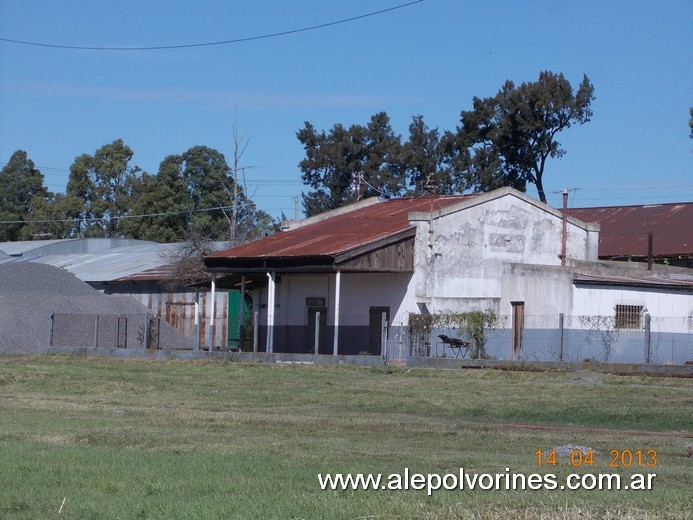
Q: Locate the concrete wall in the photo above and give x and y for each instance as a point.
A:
(358, 292)
(595, 300)
(462, 253)
(544, 289)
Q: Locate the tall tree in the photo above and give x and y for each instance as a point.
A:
(21, 191)
(57, 217)
(190, 199)
(348, 164)
(160, 205)
(104, 183)
(512, 134)
(433, 163)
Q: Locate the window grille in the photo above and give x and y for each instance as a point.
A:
(629, 316)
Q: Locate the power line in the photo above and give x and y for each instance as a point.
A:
(119, 217)
(209, 44)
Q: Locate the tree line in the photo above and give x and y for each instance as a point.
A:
(505, 140)
(191, 195)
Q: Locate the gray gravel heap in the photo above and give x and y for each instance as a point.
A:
(29, 292)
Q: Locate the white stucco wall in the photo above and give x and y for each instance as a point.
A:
(462, 256)
(592, 301)
(359, 291)
(544, 290)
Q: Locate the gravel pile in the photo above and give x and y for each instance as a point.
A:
(29, 292)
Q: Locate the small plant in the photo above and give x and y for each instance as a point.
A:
(473, 326)
(601, 331)
(151, 335)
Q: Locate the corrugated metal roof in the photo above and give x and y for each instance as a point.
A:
(624, 229)
(156, 274)
(98, 259)
(20, 248)
(108, 261)
(342, 232)
(679, 282)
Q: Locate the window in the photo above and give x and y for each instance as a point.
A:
(629, 316)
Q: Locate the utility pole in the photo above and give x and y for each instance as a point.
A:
(564, 237)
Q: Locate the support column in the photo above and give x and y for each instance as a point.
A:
(241, 316)
(337, 289)
(271, 287)
(197, 319)
(212, 311)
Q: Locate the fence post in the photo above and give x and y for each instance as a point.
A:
(383, 336)
(561, 327)
(50, 330)
(146, 330)
(196, 310)
(648, 338)
(256, 319)
(96, 331)
(317, 333)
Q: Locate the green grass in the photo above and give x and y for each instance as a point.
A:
(128, 439)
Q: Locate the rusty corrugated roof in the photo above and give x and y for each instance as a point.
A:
(156, 274)
(342, 232)
(674, 282)
(624, 229)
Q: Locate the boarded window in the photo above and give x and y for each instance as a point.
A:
(629, 316)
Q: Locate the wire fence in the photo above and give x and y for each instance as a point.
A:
(105, 330)
(601, 339)
(556, 337)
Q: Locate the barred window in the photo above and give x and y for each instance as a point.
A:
(629, 316)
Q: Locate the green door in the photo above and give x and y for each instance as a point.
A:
(238, 308)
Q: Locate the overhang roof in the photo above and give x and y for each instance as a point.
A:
(336, 234)
(681, 282)
(625, 229)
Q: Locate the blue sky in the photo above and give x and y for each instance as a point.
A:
(429, 58)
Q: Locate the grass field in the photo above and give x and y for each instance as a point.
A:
(136, 439)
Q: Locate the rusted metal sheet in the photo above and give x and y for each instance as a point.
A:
(624, 229)
(343, 231)
(178, 309)
(681, 282)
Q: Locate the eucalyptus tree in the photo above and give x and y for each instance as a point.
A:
(512, 134)
(191, 199)
(22, 191)
(348, 164)
(103, 182)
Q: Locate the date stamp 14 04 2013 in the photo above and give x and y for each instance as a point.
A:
(579, 457)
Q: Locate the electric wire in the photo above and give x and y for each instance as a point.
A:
(210, 44)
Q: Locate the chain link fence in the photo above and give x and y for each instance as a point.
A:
(601, 339)
(104, 330)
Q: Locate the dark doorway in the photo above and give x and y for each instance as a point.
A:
(375, 317)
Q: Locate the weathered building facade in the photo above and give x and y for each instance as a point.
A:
(346, 272)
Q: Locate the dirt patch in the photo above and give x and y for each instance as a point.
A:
(586, 377)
